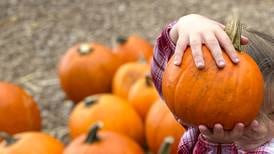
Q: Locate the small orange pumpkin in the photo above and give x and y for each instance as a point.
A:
(126, 76)
(87, 69)
(30, 143)
(18, 111)
(212, 95)
(159, 124)
(103, 142)
(132, 48)
(209, 96)
(116, 114)
(142, 95)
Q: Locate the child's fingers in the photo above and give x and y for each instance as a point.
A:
(225, 42)
(181, 45)
(196, 48)
(218, 131)
(254, 125)
(237, 131)
(213, 44)
(204, 130)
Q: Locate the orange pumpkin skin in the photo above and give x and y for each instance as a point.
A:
(125, 77)
(209, 96)
(82, 74)
(142, 95)
(18, 111)
(109, 143)
(116, 114)
(32, 143)
(132, 48)
(160, 123)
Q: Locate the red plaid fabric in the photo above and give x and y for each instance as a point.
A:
(192, 141)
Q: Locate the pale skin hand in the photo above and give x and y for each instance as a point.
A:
(254, 137)
(219, 135)
(247, 138)
(195, 30)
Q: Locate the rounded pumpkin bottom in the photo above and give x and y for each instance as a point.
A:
(212, 95)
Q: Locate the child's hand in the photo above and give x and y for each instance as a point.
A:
(256, 135)
(195, 30)
(219, 135)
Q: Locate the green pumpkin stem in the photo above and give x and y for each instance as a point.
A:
(148, 80)
(166, 145)
(121, 39)
(85, 48)
(8, 138)
(93, 133)
(88, 101)
(233, 29)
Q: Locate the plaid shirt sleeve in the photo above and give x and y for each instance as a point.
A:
(163, 50)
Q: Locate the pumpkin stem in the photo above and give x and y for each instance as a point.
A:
(8, 138)
(121, 39)
(233, 29)
(166, 145)
(85, 48)
(92, 134)
(88, 101)
(148, 80)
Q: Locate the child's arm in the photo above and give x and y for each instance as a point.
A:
(258, 137)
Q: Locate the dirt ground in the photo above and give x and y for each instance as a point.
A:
(35, 33)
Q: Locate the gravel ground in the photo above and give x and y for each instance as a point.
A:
(35, 33)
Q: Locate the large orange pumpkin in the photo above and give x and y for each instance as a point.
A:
(126, 76)
(227, 96)
(160, 124)
(142, 95)
(18, 111)
(103, 142)
(30, 143)
(116, 114)
(87, 69)
(132, 48)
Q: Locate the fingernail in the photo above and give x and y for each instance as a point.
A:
(200, 64)
(176, 62)
(236, 59)
(221, 63)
